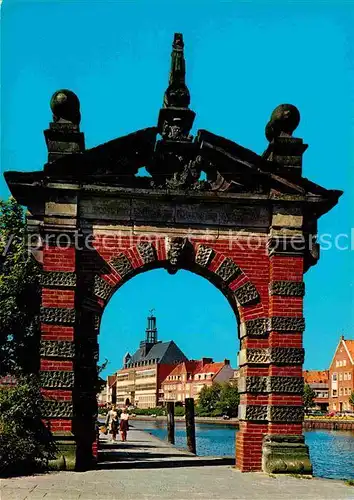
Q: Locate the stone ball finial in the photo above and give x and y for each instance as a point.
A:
(283, 121)
(65, 106)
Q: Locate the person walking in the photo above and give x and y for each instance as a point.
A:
(124, 424)
(112, 422)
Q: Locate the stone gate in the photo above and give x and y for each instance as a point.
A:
(244, 221)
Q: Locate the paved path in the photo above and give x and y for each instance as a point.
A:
(142, 450)
(146, 468)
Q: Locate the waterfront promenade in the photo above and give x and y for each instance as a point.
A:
(147, 468)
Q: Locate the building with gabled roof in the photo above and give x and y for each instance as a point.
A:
(139, 381)
(318, 380)
(341, 376)
(188, 378)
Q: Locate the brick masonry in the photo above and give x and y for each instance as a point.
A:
(270, 316)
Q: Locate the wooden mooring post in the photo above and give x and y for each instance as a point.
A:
(171, 422)
(190, 425)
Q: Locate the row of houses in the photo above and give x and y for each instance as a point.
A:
(159, 372)
(333, 387)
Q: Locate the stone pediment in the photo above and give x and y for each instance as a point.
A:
(207, 165)
(175, 166)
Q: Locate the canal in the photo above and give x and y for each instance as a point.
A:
(332, 452)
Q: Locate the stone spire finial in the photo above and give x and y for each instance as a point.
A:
(285, 150)
(63, 136)
(283, 121)
(177, 94)
(175, 118)
(65, 106)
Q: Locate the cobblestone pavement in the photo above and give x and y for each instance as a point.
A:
(166, 473)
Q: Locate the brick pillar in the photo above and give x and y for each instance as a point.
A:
(284, 449)
(253, 361)
(57, 346)
(58, 323)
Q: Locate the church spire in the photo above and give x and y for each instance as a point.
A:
(151, 330)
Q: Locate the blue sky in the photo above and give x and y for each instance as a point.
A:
(243, 59)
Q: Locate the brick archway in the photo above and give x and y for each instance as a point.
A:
(250, 228)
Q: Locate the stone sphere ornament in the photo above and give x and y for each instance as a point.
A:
(283, 121)
(65, 106)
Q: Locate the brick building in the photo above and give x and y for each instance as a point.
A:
(187, 379)
(318, 380)
(341, 376)
(142, 374)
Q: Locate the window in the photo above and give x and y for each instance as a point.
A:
(341, 391)
(334, 406)
(349, 376)
(345, 376)
(340, 376)
(340, 363)
(334, 377)
(334, 392)
(337, 364)
(344, 362)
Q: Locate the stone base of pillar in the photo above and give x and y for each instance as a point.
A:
(285, 454)
(66, 453)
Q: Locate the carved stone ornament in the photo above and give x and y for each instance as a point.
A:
(276, 355)
(102, 289)
(285, 453)
(57, 349)
(204, 255)
(122, 265)
(254, 327)
(287, 288)
(147, 252)
(293, 385)
(287, 355)
(252, 412)
(254, 384)
(56, 409)
(285, 413)
(57, 379)
(228, 270)
(287, 324)
(58, 315)
(57, 279)
(179, 250)
(247, 294)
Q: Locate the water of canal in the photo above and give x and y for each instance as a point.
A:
(332, 452)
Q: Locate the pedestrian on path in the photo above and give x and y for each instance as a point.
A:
(112, 422)
(124, 425)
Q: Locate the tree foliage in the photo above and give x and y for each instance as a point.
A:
(25, 443)
(218, 399)
(19, 294)
(351, 399)
(308, 396)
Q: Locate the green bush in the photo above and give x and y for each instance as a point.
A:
(179, 411)
(25, 443)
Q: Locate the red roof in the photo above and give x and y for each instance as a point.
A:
(350, 346)
(195, 367)
(186, 367)
(313, 376)
(211, 368)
